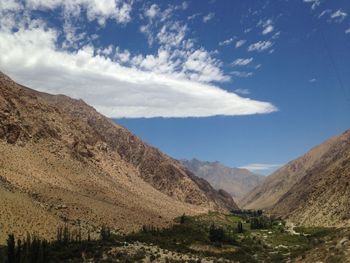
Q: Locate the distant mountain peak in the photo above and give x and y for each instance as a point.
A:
(235, 181)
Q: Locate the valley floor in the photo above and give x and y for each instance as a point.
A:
(211, 237)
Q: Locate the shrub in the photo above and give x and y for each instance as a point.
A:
(216, 234)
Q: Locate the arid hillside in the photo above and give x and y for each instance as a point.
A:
(60, 160)
(322, 196)
(311, 190)
(235, 181)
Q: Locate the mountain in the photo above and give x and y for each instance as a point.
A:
(235, 181)
(311, 190)
(60, 160)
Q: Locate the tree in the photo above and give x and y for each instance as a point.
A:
(79, 232)
(11, 245)
(183, 219)
(88, 237)
(260, 222)
(240, 227)
(66, 234)
(257, 223)
(19, 251)
(216, 234)
(105, 234)
(59, 235)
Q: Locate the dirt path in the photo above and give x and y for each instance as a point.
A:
(290, 228)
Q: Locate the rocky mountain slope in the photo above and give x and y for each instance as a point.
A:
(311, 190)
(235, 181)
(70, 163)
(322, 196)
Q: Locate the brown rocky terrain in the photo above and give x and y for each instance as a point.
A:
(60, 160)
(237, 182)
(311, 190)
(322, 196)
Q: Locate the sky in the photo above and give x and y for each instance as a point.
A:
(248, 83)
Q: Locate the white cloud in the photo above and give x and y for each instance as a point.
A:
(276, 35)
(162, 29)
(260, 166)
(10, 5)
(267, 26)
(172, 34)
(338, 15)
(32, 58)
(184, 5)
(147, 31)
(267, 29)
(240, 43)
(73, 36)
(242, 61)
(315, 3)
(247, 30)
(191, 17)
(177, 52)
(260, 46)
(242, 74)
(226, 42)
(324, 12)
(152, 11)
(200, 66)
(98, 10)
(208, 17)
(347, 31)
(175, 82)
(312, 80)
(122, 56)
(242, 91)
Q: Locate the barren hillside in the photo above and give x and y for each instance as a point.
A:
(271, 189)
(68, 162)
(322, 196)
(311, 190)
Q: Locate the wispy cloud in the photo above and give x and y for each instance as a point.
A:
(347, 31)
(226, 42)
(324, 12)
(260, 166)
(338, 16)
(98, 11)
(242, 91)
(152, 11)
(242, 74)
(260, 46)
(240, 43)
(267, 29)
(312, 80)
(314, 3)
(208, 17)
(192, 17)
(267, 26)
(242, 61)
(247, 30)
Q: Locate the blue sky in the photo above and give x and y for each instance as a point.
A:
(248, 83)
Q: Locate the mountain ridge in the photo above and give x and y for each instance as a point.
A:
(310, 189)
(80, 164)
(235, 181)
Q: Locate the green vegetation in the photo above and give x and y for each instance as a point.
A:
(240, 227)
(216, 234)
(250, 237)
